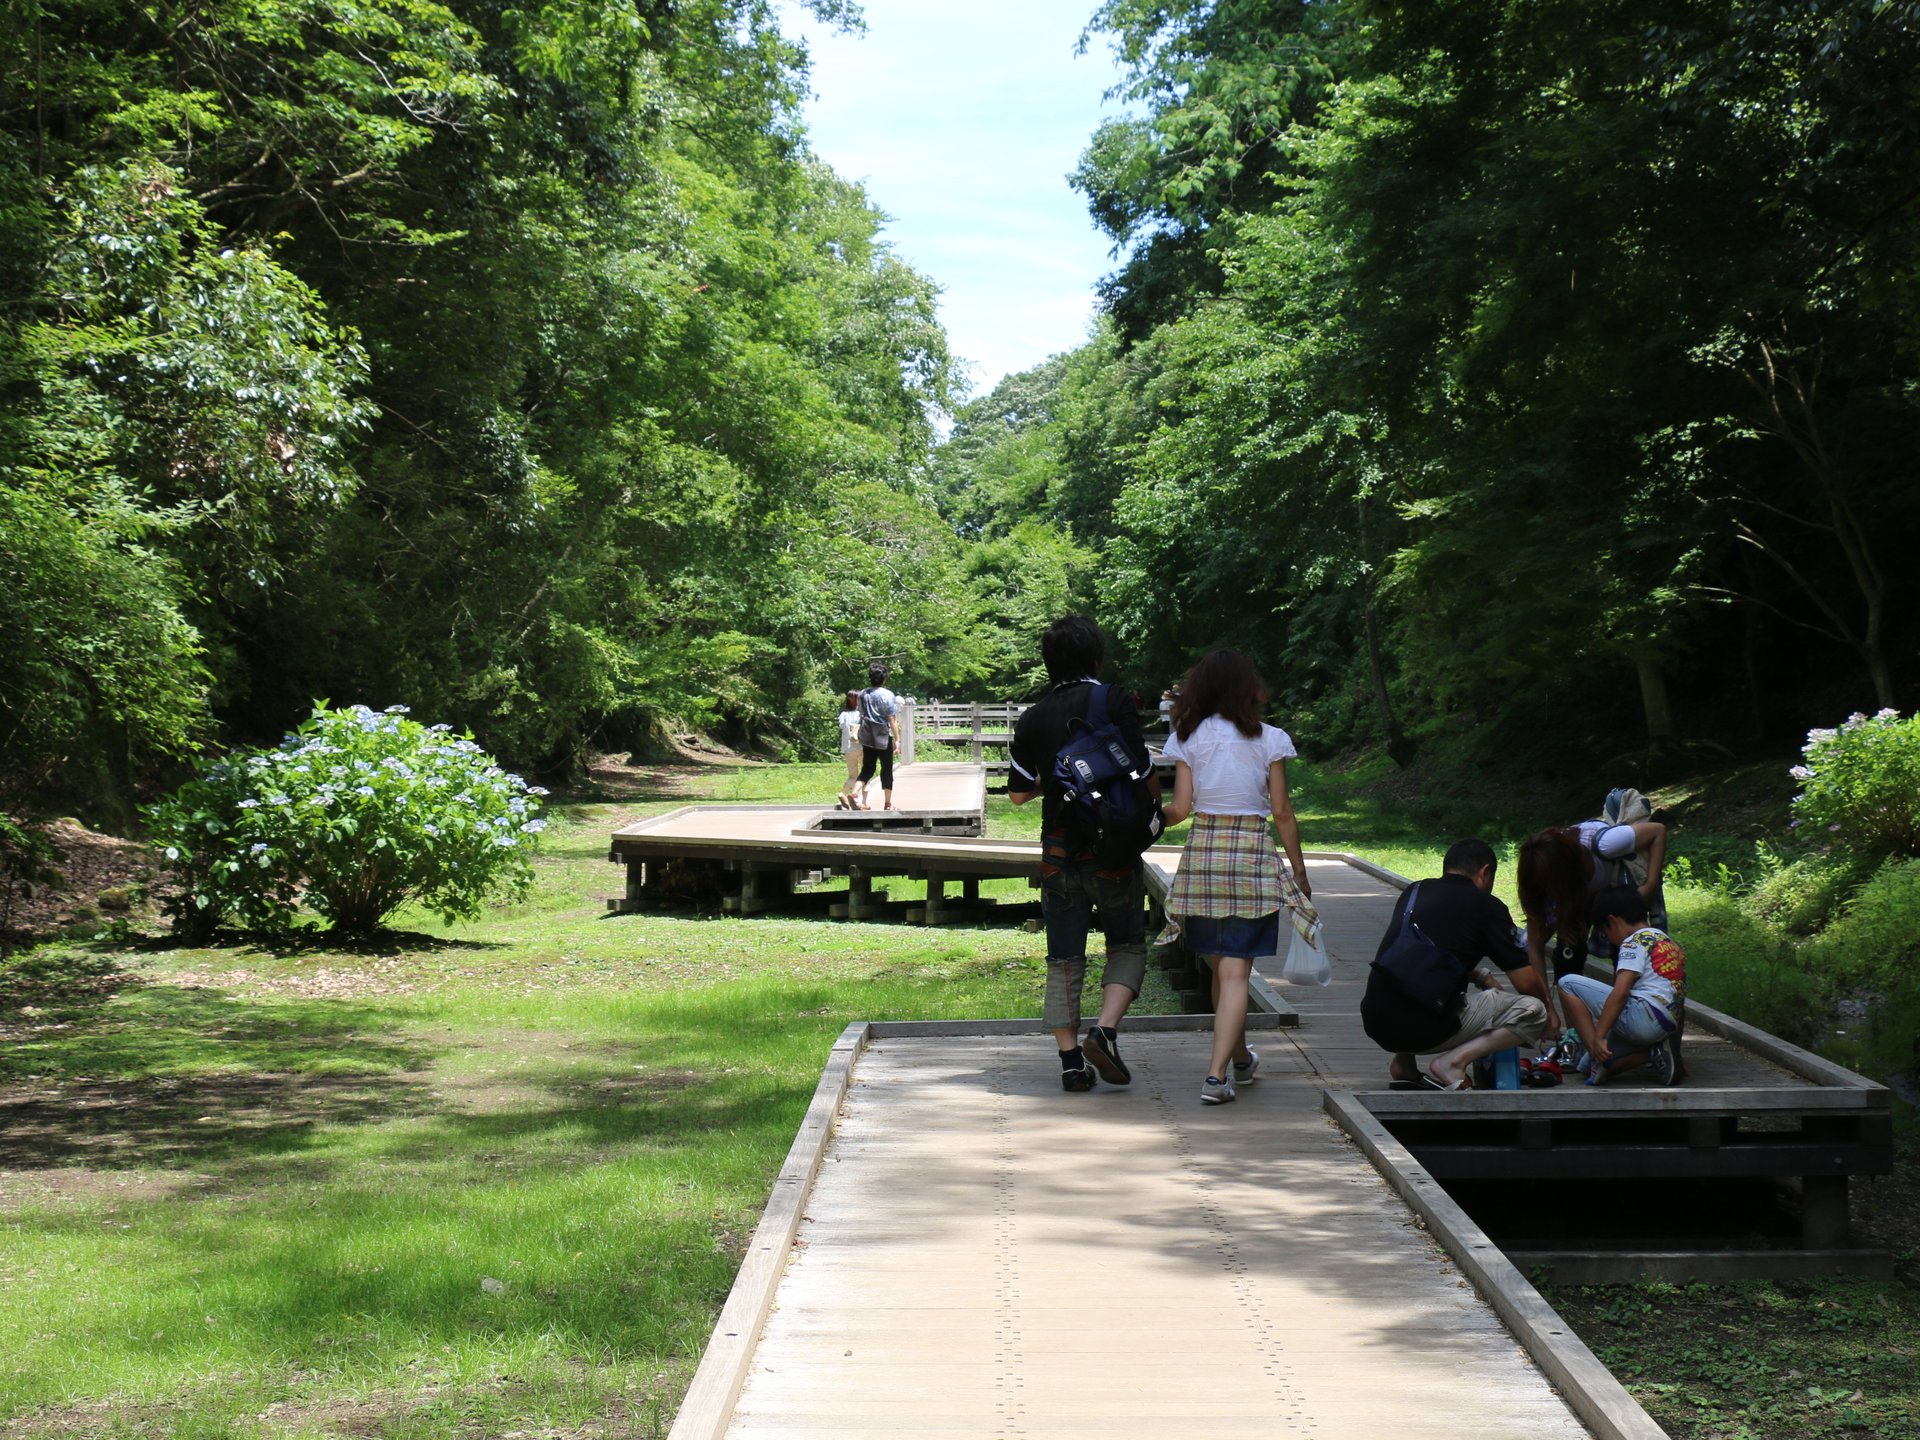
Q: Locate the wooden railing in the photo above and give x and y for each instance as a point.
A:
(973, 725)
(977, 726)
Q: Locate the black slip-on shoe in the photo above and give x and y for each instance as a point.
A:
(1105, 1055)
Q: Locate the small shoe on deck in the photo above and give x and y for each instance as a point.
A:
(1104, 1051)
(1077, 1080)
(1245, 1074)
(1665, 1066)
(1216, 1091)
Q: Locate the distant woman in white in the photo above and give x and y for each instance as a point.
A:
(853, 794)
(1230, 771)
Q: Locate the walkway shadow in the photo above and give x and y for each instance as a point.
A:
(204, 1079)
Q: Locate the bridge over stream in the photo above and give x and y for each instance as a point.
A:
(956, 1247)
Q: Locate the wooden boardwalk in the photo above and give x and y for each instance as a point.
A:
(957, 1247)
(985, 1255)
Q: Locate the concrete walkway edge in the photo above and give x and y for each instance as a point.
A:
(1600, 1400)
(707, 1409)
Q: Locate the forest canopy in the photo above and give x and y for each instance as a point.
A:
(520, 364)
(1539, 380)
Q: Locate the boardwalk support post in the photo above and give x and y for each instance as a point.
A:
(1823, 1212)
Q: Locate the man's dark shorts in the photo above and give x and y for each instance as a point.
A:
(1073, 898)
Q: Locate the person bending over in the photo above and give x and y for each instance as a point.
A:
(1468, 925)
(1563, 868)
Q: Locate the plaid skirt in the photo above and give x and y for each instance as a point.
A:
(1231, 868)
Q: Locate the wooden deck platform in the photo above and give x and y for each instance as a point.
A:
(959, 1248)
(757, 858)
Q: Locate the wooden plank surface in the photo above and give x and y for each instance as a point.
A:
(985, 1255)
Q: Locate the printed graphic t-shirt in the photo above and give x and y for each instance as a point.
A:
(1659, 966)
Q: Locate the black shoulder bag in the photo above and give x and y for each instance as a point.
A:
(1431, 978)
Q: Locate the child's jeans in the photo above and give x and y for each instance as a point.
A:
(1639, 1026)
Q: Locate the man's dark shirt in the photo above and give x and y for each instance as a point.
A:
(1461, 919)
(1046, 725)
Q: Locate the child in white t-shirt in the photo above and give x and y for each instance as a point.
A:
(1637, 1019)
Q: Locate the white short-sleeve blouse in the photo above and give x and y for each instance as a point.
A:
(1229, 769)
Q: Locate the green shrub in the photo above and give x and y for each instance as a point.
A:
(1876, 938)
(1737, 964)
(356, 813)
(1861, 784)
(1803, 895)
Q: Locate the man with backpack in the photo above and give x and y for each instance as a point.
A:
(1417, 1000)
(1092, 816)
(879, 734)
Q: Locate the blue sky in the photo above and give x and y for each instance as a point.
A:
(963, 121)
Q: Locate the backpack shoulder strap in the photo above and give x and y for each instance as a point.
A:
(1096, 706)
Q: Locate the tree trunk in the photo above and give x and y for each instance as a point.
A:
(1658, 704)
(1398, 749)
(1807, 440)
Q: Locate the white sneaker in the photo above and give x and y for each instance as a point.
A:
(1216, 1092)
(1245, 1074)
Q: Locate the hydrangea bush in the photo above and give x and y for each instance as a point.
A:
(356, 813)
(1860, 785)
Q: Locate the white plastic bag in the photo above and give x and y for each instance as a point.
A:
(1307, 962)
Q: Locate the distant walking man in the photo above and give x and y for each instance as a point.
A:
(1467, 924)
(879, 733)
(1072, 891)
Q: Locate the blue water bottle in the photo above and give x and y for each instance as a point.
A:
(1506, 1068)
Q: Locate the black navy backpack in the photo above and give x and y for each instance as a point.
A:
(1106, 787)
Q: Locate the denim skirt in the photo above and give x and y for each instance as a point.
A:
(1234, 935)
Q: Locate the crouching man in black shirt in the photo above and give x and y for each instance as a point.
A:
(1460, 915)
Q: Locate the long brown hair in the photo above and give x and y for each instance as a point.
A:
(852, 702)
(1553, 870)
(1224, 683)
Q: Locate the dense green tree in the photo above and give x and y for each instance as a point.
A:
(520, 365)
(1533, 379)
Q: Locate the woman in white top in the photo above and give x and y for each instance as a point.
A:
(853, 795)
(1230, 772)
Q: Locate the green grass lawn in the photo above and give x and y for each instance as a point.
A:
(480, 1179)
